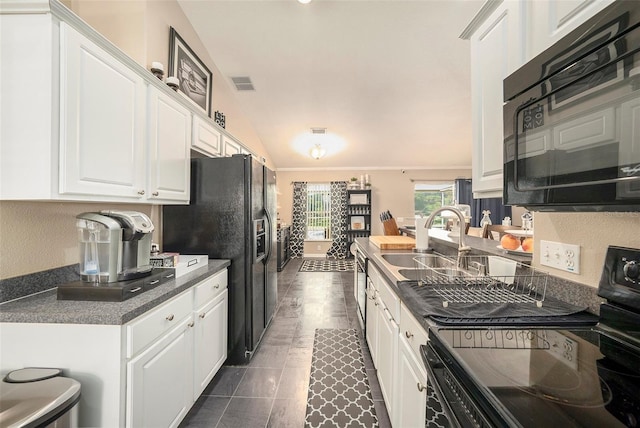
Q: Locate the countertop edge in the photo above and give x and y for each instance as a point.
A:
(44, 308)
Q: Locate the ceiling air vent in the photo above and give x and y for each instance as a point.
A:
(243, 83)
(318, 131)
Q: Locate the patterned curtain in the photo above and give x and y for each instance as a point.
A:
(338, 248)
(465, 196)
(299, 219)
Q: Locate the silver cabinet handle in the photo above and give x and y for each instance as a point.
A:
(191, 324)
(216, 286)
(170, 317)
(155, 193)
(421, 387)
(141, 192)
(408, 335)
(135, 290)
(202, 315)
(154, 282)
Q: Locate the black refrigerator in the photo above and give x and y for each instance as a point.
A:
(232, 215)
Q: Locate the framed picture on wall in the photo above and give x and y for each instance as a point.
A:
(195, 79)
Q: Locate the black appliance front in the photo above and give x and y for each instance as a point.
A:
(572, 119)
(535, 377)
(226, 213)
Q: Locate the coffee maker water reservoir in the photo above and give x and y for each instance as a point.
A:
(114, 245)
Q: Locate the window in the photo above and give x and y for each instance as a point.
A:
(430, 196)
(318, 211)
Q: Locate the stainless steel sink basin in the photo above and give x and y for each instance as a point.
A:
(444, 273)
(409, 260)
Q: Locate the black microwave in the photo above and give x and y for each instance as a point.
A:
(572, 119)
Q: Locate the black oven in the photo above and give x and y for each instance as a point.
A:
(572, 119)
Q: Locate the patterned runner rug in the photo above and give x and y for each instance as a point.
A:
(323, 265)
(339, 394)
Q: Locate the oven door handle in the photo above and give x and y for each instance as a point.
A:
(432, 363)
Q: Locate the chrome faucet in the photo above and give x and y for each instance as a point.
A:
(463, 249)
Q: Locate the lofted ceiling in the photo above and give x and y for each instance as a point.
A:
(389, 80)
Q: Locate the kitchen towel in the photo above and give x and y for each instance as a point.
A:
(339, 394)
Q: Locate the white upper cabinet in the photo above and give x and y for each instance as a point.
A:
(503, 38)
(169, 142)
(206, 138)
(497, 49)
(230, 146)
(550, 20)
(102, 110)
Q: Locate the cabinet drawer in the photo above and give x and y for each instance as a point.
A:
(412, 331)
(390, 299)
(149, 327)
(210, 288)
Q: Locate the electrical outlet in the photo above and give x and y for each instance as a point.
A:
(560, 256)
(563, 348)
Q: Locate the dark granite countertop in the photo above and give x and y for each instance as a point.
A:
(566, 291)
(45, 308)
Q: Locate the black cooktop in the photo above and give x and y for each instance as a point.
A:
(542, 377)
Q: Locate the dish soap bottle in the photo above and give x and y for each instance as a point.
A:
(485, 218)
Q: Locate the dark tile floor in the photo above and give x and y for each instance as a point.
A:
(272, 390)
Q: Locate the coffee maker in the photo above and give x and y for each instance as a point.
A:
(114, 245)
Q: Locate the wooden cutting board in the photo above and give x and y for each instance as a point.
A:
(393, 242)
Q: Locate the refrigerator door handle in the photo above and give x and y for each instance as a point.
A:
(269, 236)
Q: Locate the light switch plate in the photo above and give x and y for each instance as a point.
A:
(560, 256)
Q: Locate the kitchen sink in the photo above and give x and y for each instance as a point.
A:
(445, 273)
(408, 260)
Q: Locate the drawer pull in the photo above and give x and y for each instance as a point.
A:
(170, 317)
(408, 335)
(191, 324)
(202, 315)
(135, 290)
(155, 193)
(141, 192)
(216, 286)
(421, 387)
(169, 276)
(154, 282)
(376, 303)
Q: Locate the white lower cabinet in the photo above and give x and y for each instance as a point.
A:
(382, 334)
(210, 341)
(159, 380)
(173, 353)
(372, 321)
(387, 352)
(411, 388)
(394, 337)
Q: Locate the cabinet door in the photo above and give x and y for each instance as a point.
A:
(206, 138)
(497, 49)
(387, 350)
(550, 20)
(210, 341)
(102, 107)
(160, 380)
(412, 389)
(169, 143)
(230, 146)
(372, 322)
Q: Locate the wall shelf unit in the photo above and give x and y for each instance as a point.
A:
(358, 214)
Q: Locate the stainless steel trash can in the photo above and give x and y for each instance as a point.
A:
(39, 397)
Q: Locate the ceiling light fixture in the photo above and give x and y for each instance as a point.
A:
(317, 151)
(304, 1)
